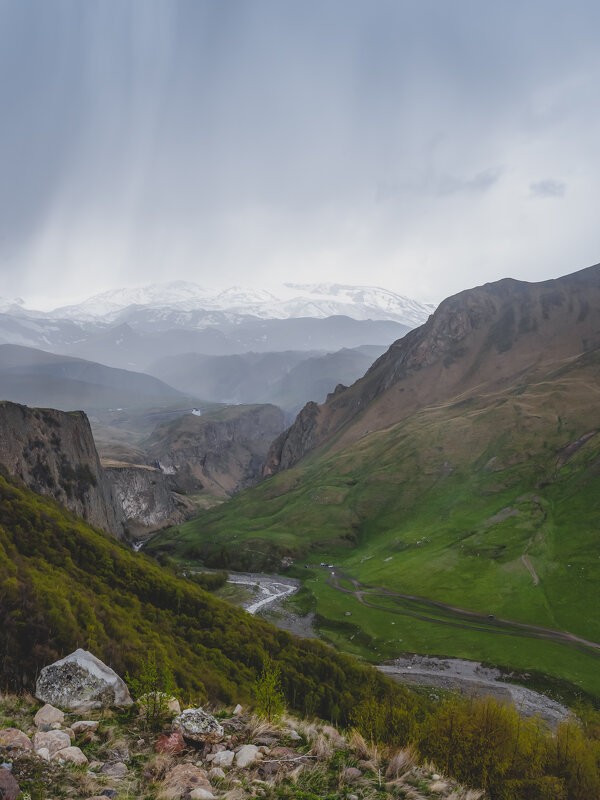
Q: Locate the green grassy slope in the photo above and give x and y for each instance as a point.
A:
(65, 585)
(491, 504)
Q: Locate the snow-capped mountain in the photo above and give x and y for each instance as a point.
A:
(290, 301)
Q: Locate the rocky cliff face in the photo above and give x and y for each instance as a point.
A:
(144, 496)
(220, 453)
(478, 339)
(53, 452)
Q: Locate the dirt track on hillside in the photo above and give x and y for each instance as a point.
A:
(457, 617)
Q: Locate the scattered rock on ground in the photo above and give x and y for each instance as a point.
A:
(183, 779)
(116, 770)
(246, 755)
(71, 754)
(48, 715)
(14, 738)
(80, 679)
(9, 788)
(53, 741)
(170, 743)
(215, 772)
(198, 727)
(223, 759)
(84, 725)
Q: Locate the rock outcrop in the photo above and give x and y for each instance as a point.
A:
(143, 495)
(487, 336)
(220, 453)
(80, 680)
(53, 452)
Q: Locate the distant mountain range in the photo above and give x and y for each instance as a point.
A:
(292, 300)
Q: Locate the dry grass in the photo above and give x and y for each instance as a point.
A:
(466, 794)
(358, 745)
(257, 726)
(322, 748)
(400, 762)
(160, 763)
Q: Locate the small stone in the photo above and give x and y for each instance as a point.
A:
(16, 739)
(246, 755)
(351, 774)
(223, 759)
(215, 772)
(83, 725)
(183, 779)
(352, 797)
(118, 754)
(48, 715)
(237, 710)
(110, 793)
(73, 755)
(201, 794)
(294, 735)
(9, 788)
(52, 740)
(170, 743)
(44, 753)
(54, 726)
(96, 764)
(116, 770)
(435, 777)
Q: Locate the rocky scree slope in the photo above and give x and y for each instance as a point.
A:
(479, 339)
(53, 453)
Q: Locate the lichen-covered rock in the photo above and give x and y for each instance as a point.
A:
(15, 739)
(198, 727)
(48, 715)
(81, 679)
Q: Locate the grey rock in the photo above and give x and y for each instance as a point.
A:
(247, 755)
(223, 759)
(116, 770)
(198, 727)
(81, 678)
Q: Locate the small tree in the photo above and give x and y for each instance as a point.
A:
(269, 695)
(153, 690)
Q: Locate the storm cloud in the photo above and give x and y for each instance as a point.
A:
(254, 141)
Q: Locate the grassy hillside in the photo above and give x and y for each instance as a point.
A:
(65, 585)
(489, 504)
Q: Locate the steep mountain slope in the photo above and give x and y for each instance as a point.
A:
(485, 337)
(64, 585)
(38, 378)
(54, 454)
(457, 484)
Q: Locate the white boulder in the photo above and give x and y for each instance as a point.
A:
(80, 680)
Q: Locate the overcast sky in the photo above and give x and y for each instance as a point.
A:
(424, 146)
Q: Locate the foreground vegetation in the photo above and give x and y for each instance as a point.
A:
(490, 504)
(477, 743)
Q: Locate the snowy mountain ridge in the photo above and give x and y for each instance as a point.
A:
(291, 301)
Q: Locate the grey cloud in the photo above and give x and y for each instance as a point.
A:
(225, 139)
(548, 188)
